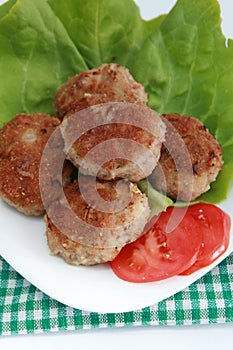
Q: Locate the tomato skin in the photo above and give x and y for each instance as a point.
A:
(199, 239)
(158, 254)
(215, 225)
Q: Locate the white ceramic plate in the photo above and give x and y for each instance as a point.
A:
(23, 245)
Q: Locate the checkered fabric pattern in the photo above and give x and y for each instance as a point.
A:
(24, 309)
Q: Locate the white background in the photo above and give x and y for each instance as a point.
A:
(172, 338)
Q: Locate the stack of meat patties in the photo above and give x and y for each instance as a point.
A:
(104, 129)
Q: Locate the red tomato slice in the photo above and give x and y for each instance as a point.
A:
(157, 254)
(215, 225)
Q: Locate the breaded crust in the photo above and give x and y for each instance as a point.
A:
(98, 233)
(107, 83)
(205, 156)
(22, 141)
(114, 140)
(75, 253)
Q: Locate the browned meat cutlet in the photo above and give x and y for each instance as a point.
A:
(102, 233)
(205, 157)
(123, 140)
(22, 141)
(108, 83)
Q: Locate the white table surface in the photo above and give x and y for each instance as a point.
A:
(211, 337)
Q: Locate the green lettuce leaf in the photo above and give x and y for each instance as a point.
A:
(5, 8)
(187, 68)
(42, 43)
(36, 56)
(104, 31)
(181, 59)
(157, 201)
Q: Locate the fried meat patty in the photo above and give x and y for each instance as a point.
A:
(22, 141)
(108, 83)
(96, 234)
(114, 140)
(204, 153)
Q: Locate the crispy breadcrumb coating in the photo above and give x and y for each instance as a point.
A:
(205, 155)
(22, 141)
(100, 234)
(114, 140)
(107, 83)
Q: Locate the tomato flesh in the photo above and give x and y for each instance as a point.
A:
(159, 254)
(215, 225)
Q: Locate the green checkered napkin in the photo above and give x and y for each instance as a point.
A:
(25, 309)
